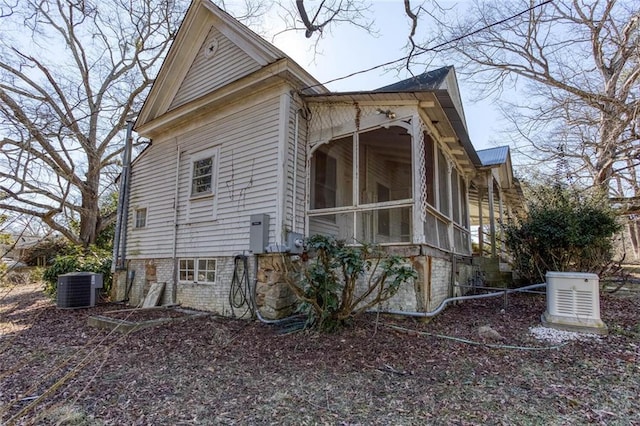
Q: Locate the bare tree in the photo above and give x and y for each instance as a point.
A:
(577, 68)
(327, 13)
(71, 74)
(579, 65)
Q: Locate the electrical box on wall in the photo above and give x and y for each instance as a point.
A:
(259, 233)
(295, 242)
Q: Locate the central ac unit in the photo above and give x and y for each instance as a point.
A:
(78, 289)
(573, 302)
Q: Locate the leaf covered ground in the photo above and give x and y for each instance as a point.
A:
(55, 369)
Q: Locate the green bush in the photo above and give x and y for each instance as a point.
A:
(564, 230)
(341, 281)
(92, 259)
(47, 249)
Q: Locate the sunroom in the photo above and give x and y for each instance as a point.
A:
(390, 168)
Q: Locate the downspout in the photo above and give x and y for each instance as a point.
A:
(120, 234)
(174, 248)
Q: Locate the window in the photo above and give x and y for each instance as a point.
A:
(140, 220)
(368, 177)
(384, 224)
(201, 181)
(207, 270)
(325, 181)
(187, 270)
(197, 270)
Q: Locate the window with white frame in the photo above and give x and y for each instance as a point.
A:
(197, 270)
(201, 182)
(140, 217)
(204, 172)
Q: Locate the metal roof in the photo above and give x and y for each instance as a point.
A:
(429, 80)
(493, 156)
(426, 86)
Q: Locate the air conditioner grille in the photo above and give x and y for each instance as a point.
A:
(78, 289)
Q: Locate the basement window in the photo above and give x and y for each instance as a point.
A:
(198, 270)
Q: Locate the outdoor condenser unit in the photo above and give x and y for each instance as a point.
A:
(573, 302)
(78, 289)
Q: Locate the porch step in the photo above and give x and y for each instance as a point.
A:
(494, 272)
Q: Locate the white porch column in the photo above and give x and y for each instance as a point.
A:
(501, 213)
(452, 242)
(419, 182)
(467, 219)
(492, 215)
(480, 221)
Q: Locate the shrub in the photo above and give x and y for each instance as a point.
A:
(92, 259)
(47, 248)
(564, 231)
(327, 284)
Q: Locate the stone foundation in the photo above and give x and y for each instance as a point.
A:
(274, 298)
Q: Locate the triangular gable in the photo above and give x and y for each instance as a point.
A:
(218, 62)
(429, 80)
(499, 159)
(439, 79)
(182, 63)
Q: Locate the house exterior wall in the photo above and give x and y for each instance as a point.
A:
(248, 138)
(296, 167)
(258, 167)
(247, 143)
(218, 62)
(207, 297)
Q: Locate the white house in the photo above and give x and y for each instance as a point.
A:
(250, 153)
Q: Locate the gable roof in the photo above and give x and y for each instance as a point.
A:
(440, 84)
(429, 80)
(200, 18)
(494, 156)
(498, 159)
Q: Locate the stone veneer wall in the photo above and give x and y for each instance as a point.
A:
(273, 297)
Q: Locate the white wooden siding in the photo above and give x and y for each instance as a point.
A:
(247, 181)
(207, 73)
(155, 190)
(297, 166)
(246, 185)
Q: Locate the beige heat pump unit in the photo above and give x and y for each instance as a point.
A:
(573, 302)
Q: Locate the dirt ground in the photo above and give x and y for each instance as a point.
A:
(55, 369)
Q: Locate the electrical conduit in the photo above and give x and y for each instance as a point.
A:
(445, 302)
